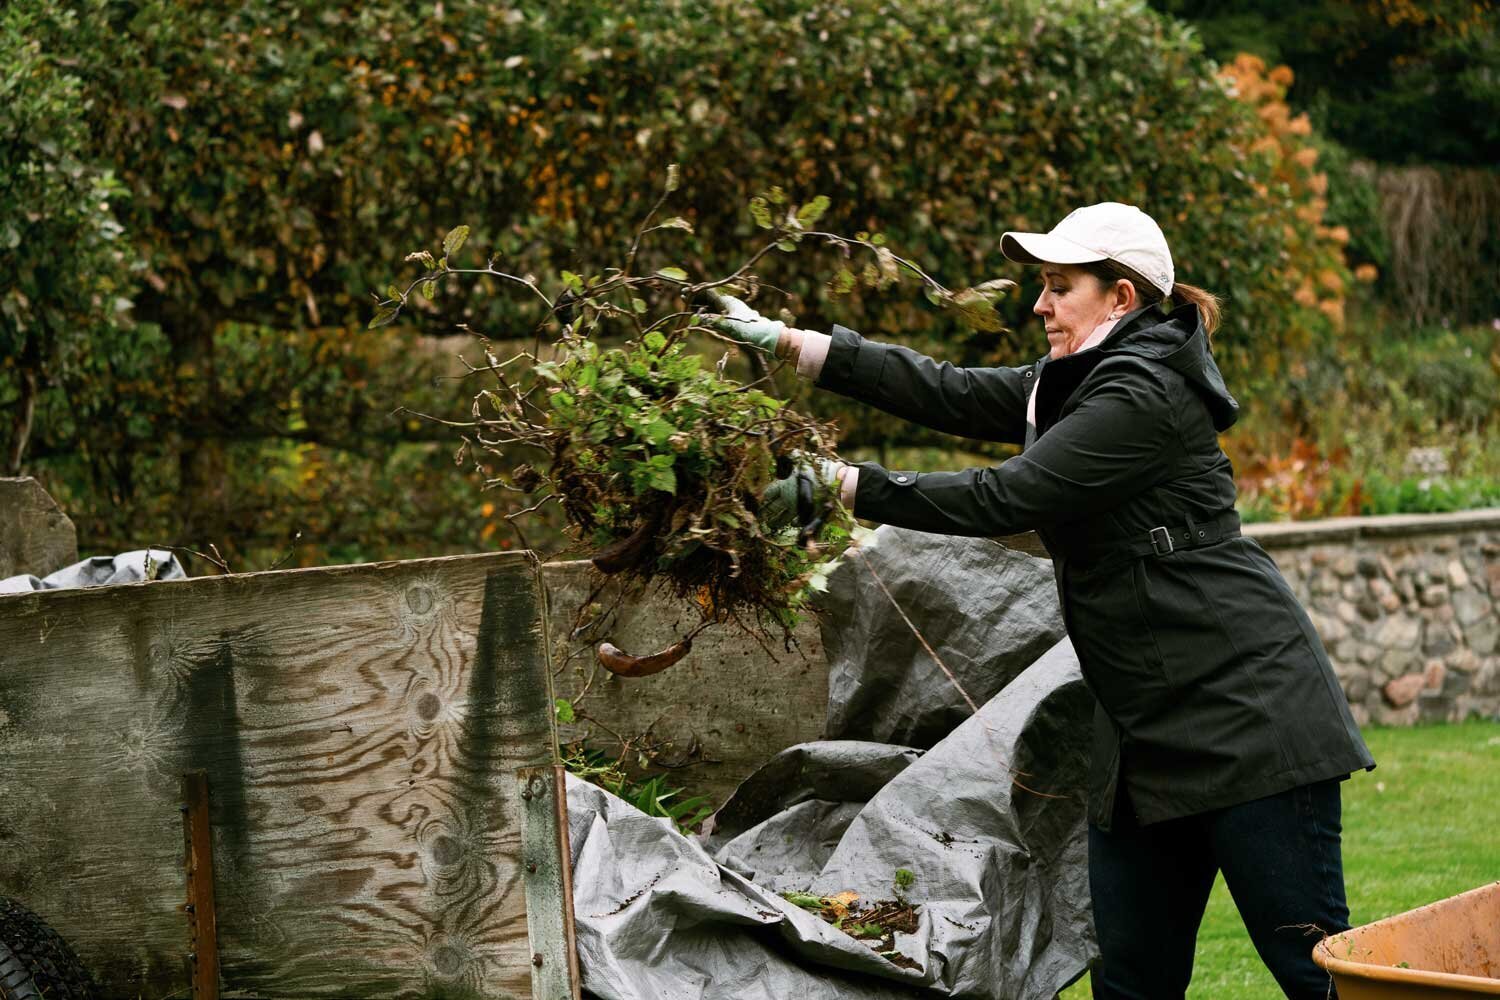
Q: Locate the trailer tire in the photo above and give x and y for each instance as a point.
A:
(35, 962)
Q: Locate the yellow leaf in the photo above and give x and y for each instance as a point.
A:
(840, 904)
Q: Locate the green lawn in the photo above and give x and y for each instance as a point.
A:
(1422, 826)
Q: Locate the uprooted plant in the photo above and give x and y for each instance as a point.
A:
(659, 461)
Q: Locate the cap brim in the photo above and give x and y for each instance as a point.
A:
(1045, 248)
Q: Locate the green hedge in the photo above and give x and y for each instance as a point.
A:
(281, 157)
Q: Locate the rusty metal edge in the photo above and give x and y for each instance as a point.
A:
(565, 851)
(548, 884)
(198, 865)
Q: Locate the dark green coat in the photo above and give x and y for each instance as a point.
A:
(1213, 688)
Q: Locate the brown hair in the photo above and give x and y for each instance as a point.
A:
(1107, 272)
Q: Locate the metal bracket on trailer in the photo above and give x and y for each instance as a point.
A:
(198, 863)
(547, 877)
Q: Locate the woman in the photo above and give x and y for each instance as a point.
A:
(1221, 734)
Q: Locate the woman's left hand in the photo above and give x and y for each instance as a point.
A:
(738, 321)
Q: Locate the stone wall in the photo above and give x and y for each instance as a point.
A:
(1408, 606)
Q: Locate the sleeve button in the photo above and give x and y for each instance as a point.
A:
(901, 479)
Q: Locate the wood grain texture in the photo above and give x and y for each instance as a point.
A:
(728, 707)
(1028, 542)
(36, 537)
(361, 728)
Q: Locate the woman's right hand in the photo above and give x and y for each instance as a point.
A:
(739, 322)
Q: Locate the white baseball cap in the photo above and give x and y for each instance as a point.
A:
(1106, 231)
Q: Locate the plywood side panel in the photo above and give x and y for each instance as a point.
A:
(734, 702)
(361, 728)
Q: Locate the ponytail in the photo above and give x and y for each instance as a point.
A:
(1207, 303)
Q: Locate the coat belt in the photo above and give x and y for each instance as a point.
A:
(1164, 539)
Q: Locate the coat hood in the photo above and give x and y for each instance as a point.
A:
(1178, 341)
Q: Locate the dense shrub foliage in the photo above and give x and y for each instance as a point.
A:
(1396, 423)
(1411, 90)
(277, 155)
(1399, 81)
(64, 274)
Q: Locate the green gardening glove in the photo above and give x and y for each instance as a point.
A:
(739, 322)
(813, 478)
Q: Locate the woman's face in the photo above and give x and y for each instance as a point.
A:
(1072, 305)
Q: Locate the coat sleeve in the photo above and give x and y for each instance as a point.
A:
(987, 404)
(1120, 439)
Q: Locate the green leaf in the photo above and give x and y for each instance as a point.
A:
(392, 292)
(572, 282)
(813, 210)
(786, 246)
(843, 282)
(664, 480)
(658, 430)
(674, 177)
(806, 900)
(776, 196)
(562, 401)
(677, 222)
(454, 240)
(564, 710)
(654, 341)
(587, 376)
(429, 289)
(675, 273)
(761, 212)
(639, 305)
(383, 317)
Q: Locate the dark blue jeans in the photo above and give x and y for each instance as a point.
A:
(1281, 861)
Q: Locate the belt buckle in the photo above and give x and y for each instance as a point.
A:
(1161, 541)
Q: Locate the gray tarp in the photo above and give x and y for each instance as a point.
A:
(986, 610)
(98, 571)
(990, 818)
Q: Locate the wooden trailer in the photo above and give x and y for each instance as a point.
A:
(334, 782)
